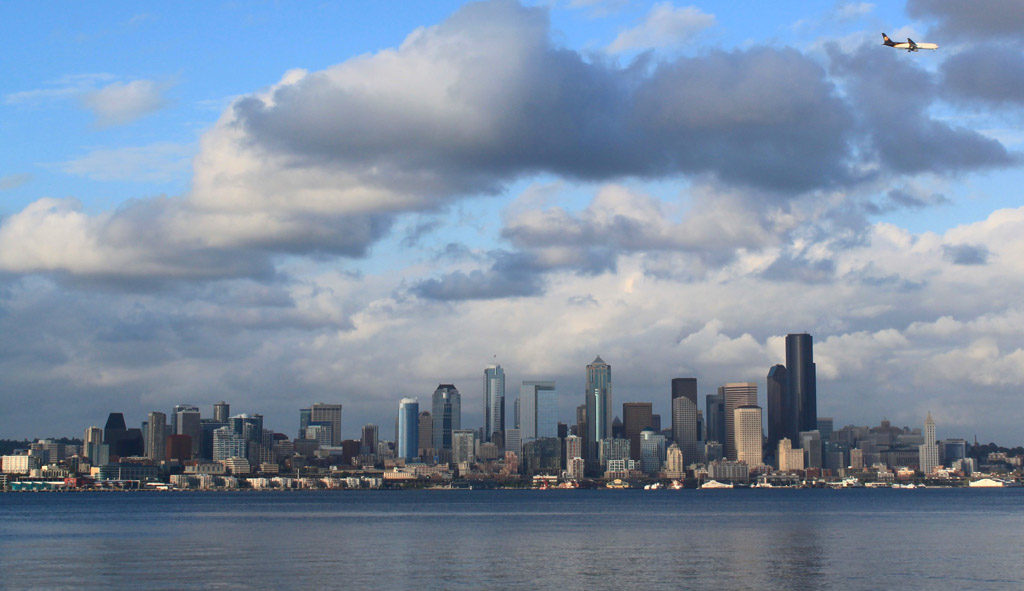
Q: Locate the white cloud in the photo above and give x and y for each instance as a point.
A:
(665, 26)
(120, 103)
(158, 162)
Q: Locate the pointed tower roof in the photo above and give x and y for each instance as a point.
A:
(598, 360)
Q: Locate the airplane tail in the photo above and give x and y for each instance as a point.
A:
(886, 40)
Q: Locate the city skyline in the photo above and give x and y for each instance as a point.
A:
(673, 186)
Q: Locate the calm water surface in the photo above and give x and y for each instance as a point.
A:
(739, 539)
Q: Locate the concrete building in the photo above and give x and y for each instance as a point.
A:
(789, 459)
(187, 421)
(928, 452)
(747, 422)
(426, 430)
(735, 395)
(463, 446)
(328, 413)
(675, 467)
(156, 436)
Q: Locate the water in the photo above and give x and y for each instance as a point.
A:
(738, 539)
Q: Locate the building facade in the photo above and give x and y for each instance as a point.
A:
(494, 401)
(407, 440)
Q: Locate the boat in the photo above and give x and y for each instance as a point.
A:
(617, 483)
(714, 484)
(987, 483)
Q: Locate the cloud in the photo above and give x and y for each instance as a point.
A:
(899, 134)
(985, 74)
(158, 162)
(13, 181)
(665, 26)
(965, 20)
(854, 10)
(120, 103)
(62, 88)
(966, 254)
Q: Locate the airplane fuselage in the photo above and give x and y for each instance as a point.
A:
(908, 45)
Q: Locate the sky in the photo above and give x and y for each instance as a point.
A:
(276, 204)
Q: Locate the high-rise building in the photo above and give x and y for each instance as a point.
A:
(636, 416)
(368, 441)
(426, 428)
(801, 380)
(715, 418)
(685, 429)
(463, 446)
(221, 412)
(407, 440)
(187, 421)
(447, 415)
(810, 441)
(747, 422)
(735, 395)
(305, 415)
(328, 413)
(513, 441)
(93, 437)
(538, 410)
(494, 401)
(227, 443)
(573, 447)
(652, 451)
(789, 459)
(928, 453)
(599, 405)
(780, 415)
(675, 466)
(156, 436)
(122, 441)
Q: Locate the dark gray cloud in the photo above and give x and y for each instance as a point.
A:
(966, 254)
(990, 74)
(511, 275)
(963, 20)
(892, 97)
(514, 274)
(512, 104)
(798, 269)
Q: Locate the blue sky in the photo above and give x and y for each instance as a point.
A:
(275, 203)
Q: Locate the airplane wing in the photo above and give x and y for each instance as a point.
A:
(913, 46)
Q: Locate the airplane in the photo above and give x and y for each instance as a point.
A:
(909, 45)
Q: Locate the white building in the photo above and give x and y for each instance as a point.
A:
(928, 453)
(747, 422)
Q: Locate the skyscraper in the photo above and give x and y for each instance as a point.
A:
(328, 413)
(747, 422)
(735, 394)
(156, 436)
(494, 401)
(407, 440)
(426, 431)
(780, 415)
(463, 446)
(928, 452)
(368, 441)
(636, 416)
(801, 388)
(715, 418)
(685, 431)
(221, 412)
(599, 405)
(538, 410)
(187, 422)
(447, 415)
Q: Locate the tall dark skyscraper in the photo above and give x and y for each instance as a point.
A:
(447, 415)
(494, 401)
(801, 387)
(599, 405)
(685, 431)
(715, 418)
(780, 411)
(636, 416)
